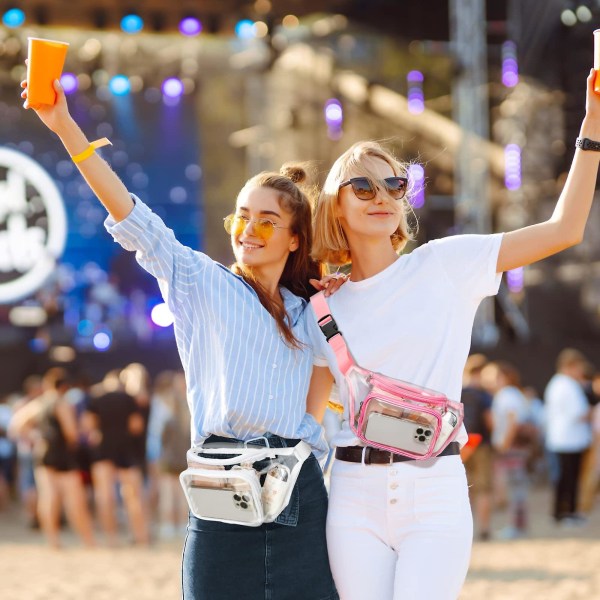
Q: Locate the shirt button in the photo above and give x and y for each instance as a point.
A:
(274, 365)
(393, 501)
(393, 486)
(271, 397)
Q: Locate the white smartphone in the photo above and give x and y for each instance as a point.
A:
(223, 504)
(398, 433)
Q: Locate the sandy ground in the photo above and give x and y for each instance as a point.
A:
(551, 564)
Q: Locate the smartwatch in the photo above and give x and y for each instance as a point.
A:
(587, 144)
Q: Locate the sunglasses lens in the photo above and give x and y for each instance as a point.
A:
(263, 228)
(396, 187)
(362, 188)
(234, 224)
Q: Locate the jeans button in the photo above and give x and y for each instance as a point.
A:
(393, 501)
(394, 486)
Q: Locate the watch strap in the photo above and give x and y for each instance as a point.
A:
(587, 144)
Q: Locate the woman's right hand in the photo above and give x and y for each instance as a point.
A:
(55, 116)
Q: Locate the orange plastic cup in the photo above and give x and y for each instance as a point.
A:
(597, 60)
(45, 64)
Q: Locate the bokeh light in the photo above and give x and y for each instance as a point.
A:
(244, 29)
(515, 279)
(190, 26)
(69, 83)
(13, 17)
(172, 87)
(416, 175)
(416, 99)
(510, 66)
(102, 340)
(119, 85)
(512, 173)
(132, 24)
(161, 315)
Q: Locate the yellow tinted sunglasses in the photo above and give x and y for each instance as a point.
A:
(263, 228)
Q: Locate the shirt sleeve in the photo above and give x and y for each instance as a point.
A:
(470, 262)
(157, 250)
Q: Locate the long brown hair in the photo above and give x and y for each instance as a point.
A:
(299, 267)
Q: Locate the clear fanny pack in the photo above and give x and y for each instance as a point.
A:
(222, 483)
(392, 414)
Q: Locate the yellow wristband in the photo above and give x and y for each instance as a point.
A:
(91, 149)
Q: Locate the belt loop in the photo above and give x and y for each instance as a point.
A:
(364, 456)
(391, 458)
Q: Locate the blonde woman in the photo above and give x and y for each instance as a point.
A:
(397, 528)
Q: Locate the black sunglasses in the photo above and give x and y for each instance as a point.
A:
(364, 190)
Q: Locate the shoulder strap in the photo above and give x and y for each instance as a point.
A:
(331, 332)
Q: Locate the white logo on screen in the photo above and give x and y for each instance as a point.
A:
(33, 225)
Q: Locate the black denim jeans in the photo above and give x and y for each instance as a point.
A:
(284, 560)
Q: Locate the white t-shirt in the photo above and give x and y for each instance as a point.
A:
(508, 401)
(567, 429)
(413, 320)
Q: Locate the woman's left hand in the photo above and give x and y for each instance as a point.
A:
(329, 283)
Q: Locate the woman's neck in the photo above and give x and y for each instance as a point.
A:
(269, 281)
(370, 259)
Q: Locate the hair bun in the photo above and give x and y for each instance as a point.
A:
(295, 172)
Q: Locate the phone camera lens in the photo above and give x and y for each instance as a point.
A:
(420, 430)
(422, 438)
(244, 504)
(237, 497)
(245, 498)
(428, 432)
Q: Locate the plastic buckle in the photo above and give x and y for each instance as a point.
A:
(330, 328)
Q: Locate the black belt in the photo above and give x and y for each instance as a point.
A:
(374, 456)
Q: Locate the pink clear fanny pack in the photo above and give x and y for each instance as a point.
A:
(393, 415)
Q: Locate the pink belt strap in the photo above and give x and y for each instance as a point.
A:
(331, 332)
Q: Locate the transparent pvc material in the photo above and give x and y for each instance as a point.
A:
(400, 417)
(242, 486)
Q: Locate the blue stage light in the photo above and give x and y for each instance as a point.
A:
(132, 24)
(119, 85)
(13, 17)
(244, 29)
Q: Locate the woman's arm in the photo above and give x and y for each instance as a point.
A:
(566, 225)
(318, 392)
(100, 177)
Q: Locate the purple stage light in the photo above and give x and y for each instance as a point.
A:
(512, 168)
(515, 279)
(416, 175)
(190, 26)
(334, 114)
(172, 87)
(102, 341)
(510, 66)
(416, 99)
(69, 83)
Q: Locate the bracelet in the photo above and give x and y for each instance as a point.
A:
(587, 144)
(91, 149)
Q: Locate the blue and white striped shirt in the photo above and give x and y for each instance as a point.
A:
(242, 379)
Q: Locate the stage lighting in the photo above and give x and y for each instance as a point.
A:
(14, 17)
(416, 100)
(514, 279)
(244, 29)
(102, 340)
(69, 83)
(334, 114)
(132, 23)
(512, 173)
(119, 85)
(161, 315)
(172, 87)
(416, 174)
(190, 26)
(510, 66)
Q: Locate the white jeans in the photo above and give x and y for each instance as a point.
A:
(401, 531)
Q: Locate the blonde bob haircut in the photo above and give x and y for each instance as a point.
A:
(329, 240)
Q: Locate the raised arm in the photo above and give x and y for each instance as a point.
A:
(100, 177)
(566, 225)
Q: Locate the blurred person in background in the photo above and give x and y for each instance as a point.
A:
(32, 388)
(57, 475)
(590, 470)
(114, 424)
(161, 401)
(478, 422)
(174, 443)
(510, 428)
(7, 454)
(568, 431)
